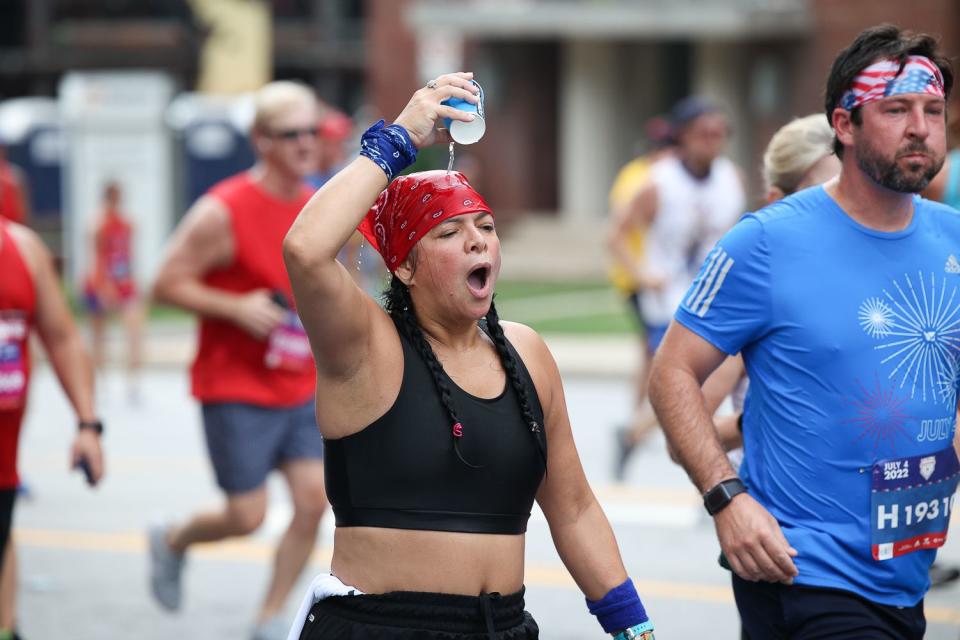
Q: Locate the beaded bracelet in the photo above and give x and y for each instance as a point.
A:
(643, 631)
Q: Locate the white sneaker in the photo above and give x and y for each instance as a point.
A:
(166, 567)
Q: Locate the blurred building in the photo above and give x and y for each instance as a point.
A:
(209, 52)
(318, 41)
(569, 83)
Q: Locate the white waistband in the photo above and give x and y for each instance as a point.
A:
(322, 587)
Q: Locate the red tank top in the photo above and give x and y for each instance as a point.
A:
(11, 199)
(113, 260)
(231, 365)
(18, 302)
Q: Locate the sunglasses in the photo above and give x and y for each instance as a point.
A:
(295, 134)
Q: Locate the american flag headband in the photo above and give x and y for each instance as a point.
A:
(884, 79)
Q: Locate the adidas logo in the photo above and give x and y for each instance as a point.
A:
(953, 265)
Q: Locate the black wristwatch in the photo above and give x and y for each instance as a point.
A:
(94, 425)
(717, 498)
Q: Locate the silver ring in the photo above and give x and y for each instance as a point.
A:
(432, 84)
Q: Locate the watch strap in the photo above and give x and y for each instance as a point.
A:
(717, 498)
(94, 425)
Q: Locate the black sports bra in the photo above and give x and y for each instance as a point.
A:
(401, 471)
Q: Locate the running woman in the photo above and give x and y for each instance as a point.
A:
(442, 423)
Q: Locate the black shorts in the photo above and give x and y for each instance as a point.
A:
(408, 615)
(770, 611)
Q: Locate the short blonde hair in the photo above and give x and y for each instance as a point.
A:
(794, 148)
(275, 97)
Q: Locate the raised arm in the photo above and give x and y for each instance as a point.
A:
(338, 316)
(64, 346)
(749, 536)
(320, 283)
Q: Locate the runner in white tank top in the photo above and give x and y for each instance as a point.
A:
(690, 200)
(692, 215)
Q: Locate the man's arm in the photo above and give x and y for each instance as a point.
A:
(723, 382)
(64, 347)
(682, 363)
(638, 214)
(204, 242)
(718, 386)
(749, 536)
(728, 431)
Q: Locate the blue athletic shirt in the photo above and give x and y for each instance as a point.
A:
(850, 337)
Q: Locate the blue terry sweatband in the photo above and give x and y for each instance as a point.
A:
(619, 609)
(390, 147)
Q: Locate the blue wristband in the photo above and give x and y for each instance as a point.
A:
(389, 147)
(620, 609)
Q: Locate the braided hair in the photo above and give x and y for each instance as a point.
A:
(399, 305)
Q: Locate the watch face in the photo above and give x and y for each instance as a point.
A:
(718, 497)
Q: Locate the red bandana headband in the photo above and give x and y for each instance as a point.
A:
(885, 79)
(412, 205)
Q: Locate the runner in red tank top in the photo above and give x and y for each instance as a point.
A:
(13, 197)
(31, 298)
(110, 286)
(254, 373)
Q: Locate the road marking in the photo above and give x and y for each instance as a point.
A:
(252, 550)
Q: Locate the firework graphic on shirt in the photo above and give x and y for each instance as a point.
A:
(950, 381)
(878, 415)
(876, 318)
(918, 321)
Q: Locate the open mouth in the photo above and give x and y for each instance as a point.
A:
(478, 277)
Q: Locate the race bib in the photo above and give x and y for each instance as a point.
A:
(288, 348)
(911, 500)
(119, 268)
(13, 363)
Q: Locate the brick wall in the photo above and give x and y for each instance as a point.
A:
(837, 23)
(391, 57)
(516, 164)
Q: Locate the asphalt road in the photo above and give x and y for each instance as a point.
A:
(83, 556)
